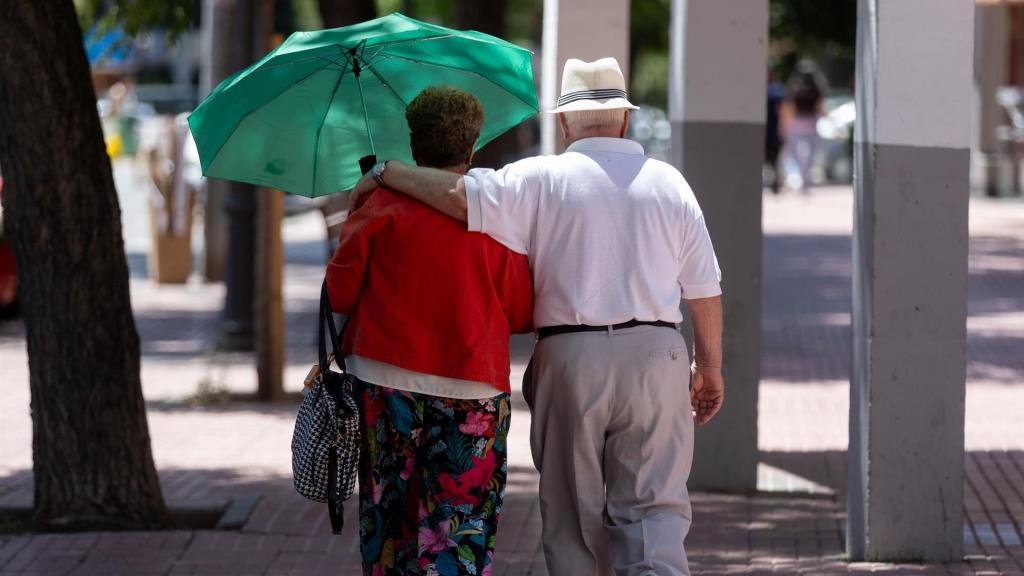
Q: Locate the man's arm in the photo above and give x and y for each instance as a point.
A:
(708, 391)
(442, 190)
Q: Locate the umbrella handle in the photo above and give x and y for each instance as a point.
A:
(367, 162)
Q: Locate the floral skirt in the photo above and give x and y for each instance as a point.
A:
(431, 482)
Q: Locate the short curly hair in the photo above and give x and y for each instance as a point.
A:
(444, 123)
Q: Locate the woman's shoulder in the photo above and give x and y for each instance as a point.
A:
(384, 201)
(375, 197)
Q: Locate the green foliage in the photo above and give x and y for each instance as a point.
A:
(813, 25)
(648, 27)
(389, 6)
(307, 15)
(136, 16)
(824, 31)
(522, 17)
(650, 79)
(438, 11)
(648, 43)
(524, 22)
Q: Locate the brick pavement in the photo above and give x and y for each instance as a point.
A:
(208, 455)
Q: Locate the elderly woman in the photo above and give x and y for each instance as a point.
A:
(431, 307)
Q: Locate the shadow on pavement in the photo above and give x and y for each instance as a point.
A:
(806, 308)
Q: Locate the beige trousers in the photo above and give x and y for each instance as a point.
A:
(612, 436)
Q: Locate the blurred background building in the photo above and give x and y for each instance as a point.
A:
(142, 81)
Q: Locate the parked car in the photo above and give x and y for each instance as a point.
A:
(835, 128)
(8, 275)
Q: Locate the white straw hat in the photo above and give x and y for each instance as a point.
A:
(597, 85)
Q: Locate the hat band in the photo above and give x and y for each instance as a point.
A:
(600, 94)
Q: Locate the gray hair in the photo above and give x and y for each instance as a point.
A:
(590, 120)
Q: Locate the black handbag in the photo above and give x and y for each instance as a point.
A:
(326, 441)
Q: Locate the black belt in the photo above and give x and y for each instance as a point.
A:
(546, 331)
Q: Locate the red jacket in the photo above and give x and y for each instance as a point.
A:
(426, 295)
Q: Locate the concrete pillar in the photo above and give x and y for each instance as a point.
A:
(584, 29)
(717, 104)
(906, 459)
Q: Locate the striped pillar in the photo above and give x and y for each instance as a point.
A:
(583, 29)
(717, 84)
(906, 459)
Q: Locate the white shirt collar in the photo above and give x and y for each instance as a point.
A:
(605, 144)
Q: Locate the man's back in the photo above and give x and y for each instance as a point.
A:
(611, 235)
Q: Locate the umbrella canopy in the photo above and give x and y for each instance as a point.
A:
(299, 119)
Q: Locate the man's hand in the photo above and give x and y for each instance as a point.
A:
(708, 390)
(707, 393)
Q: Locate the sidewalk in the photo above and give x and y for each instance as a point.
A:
(210, 456)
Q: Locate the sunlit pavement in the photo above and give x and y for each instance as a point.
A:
(213, 454)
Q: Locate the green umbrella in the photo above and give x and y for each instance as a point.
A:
(299, 119)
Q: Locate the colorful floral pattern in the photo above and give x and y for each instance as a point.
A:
(431, 482)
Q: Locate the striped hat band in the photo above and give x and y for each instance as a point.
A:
(601, 94)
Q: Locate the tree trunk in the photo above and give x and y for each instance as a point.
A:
(270, 321)
(489, 18)
(337, 13)
(215, 66)
(91, 448)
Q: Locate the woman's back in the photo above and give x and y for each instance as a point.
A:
(433, 298)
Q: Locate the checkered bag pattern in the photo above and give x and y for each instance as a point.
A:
(326, 440)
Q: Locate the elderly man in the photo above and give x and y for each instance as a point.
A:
(614, 240)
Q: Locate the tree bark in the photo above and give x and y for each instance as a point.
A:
(91, 448)
(215, 65)
(336, 13)
(270, 321)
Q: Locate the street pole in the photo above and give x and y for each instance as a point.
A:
(236, 332)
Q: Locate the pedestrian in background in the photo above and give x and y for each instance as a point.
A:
(772, 132)
(800, 113)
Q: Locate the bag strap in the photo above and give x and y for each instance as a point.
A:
(326, 314)
(327, 317)
(335, 507)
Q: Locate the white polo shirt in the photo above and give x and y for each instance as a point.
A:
(611, 235)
